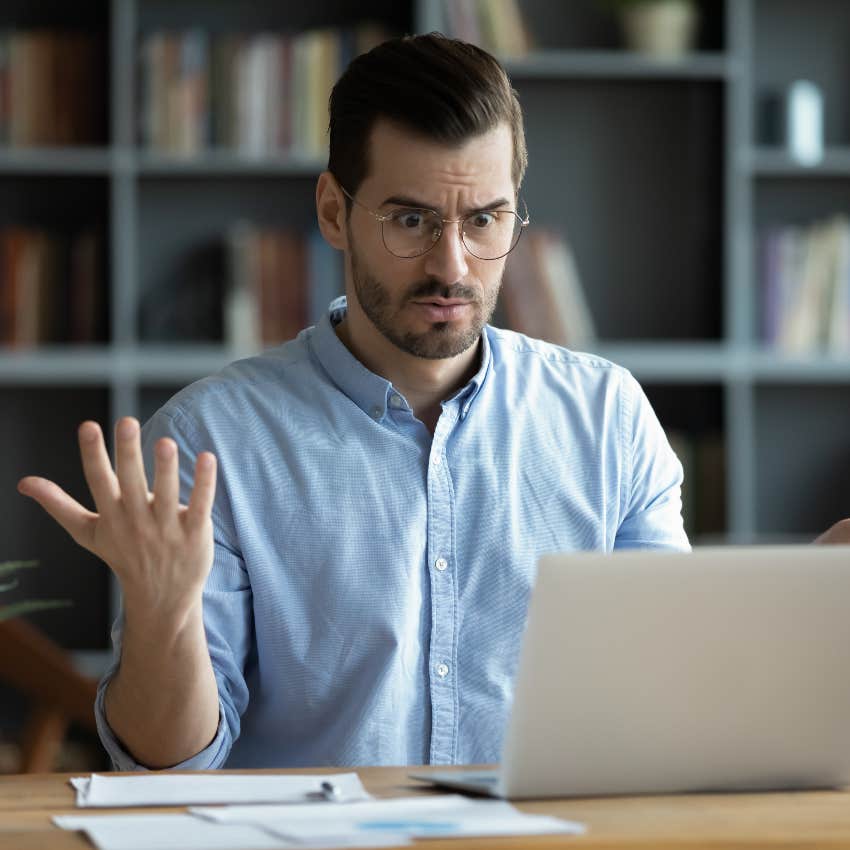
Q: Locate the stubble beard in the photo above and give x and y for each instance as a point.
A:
(443, 339)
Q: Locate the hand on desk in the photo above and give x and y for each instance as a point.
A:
(838, 533)
(161, 551)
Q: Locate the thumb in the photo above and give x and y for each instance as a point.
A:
(79, 522)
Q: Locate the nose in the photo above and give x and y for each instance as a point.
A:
(447, 260)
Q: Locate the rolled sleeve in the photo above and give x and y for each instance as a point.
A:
(212, 756)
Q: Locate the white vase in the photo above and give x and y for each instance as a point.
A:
(660, 28)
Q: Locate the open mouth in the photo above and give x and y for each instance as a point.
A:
(442, 309)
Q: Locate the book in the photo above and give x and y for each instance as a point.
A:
(542, 295)
(51, 288)
(260, 94)
(805, 286)
(279, 281)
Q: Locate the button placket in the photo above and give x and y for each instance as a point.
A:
(443, 603)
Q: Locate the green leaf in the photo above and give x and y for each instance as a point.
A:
(18, 609)
(10, 585)
(12, 566)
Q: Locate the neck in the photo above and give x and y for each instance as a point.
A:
(424, 383)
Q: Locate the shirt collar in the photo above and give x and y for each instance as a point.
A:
(370, 392)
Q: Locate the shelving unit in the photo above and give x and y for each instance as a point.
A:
(653, 169)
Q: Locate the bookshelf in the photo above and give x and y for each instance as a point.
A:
(655, 170)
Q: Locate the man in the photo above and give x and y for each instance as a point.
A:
(354, 589)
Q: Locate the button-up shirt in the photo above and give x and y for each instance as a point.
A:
(371, 580)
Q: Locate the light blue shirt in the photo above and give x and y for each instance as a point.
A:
(370, 584)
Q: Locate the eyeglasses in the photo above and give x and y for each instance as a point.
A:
(409, 232)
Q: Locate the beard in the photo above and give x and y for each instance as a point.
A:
(443, 339)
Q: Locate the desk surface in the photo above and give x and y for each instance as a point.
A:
(805, 819)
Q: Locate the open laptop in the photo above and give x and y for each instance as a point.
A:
(725, 669)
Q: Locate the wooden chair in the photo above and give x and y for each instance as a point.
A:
(34, 665)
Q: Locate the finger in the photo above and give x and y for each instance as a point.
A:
(166, 482)
(203, 493)
(97, 468)
(130, 467)
(79, 522)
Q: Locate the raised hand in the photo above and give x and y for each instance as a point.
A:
(161, 551)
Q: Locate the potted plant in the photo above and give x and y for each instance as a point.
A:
(663, 29)
(27, 606)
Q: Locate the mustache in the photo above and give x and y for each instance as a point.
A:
(433, 288)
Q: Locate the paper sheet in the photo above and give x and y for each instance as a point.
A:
(414, 817)
(172, 789)
(169, 832)
(185, 832)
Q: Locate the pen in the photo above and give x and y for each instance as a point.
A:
(329, 791)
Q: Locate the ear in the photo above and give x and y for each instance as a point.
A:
(331, 212)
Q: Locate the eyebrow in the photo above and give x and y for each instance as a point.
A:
(405, 201)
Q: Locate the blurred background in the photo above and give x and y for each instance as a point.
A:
(688, 184)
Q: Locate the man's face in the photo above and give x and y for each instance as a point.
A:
(433, 306)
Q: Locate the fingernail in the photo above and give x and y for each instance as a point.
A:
(88, 433)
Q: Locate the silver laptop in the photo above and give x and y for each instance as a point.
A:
(725, 669)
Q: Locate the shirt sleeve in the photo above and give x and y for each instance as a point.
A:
(651, 507)
(227, 607)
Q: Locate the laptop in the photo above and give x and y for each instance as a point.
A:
(724, 669)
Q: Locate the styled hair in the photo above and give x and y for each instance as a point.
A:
(443, 89)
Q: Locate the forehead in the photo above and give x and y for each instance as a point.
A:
(401, 160)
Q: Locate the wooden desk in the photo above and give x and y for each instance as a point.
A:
(806, 819)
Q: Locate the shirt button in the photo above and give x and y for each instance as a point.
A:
(396, 401)
(436, 460)
(441, 564)
(442, 670)
(377, 412)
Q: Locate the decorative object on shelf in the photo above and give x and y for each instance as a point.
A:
(804, 124)
(28, 606)
(663, 29)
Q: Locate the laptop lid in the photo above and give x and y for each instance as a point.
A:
(652, 672)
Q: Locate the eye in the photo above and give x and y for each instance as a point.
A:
(409, 219)
(483, 220)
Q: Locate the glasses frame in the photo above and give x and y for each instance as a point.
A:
(524, 221)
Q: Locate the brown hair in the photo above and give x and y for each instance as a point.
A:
(444, 89)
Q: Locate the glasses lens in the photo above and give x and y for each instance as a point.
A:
(409, 233)
(490, 235)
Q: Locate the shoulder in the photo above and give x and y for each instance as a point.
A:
(529, 357)
(246, 387)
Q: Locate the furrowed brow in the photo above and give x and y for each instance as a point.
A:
(414, 203)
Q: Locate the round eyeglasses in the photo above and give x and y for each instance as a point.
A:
(409, 232)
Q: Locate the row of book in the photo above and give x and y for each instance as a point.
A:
(806, 286)
(279, 281)
(257, 94)
(496, 25)
(51, 88)
(542, 294)
(51, 288)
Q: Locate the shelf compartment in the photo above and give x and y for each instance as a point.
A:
(639, 165)
(802, 446)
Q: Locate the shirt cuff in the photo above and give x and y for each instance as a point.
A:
(211, 757)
